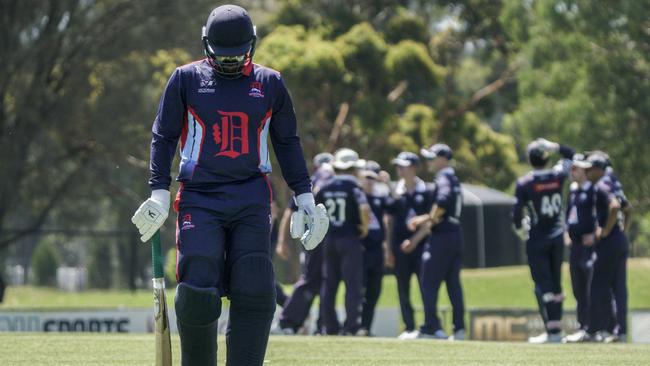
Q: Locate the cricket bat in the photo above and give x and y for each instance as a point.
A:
(163, 340)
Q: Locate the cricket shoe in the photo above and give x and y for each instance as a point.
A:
(458, 335)
(278, 330)
(580, 336)
(546, 338)
(363, 332)
(603, 336)
(616, 338)
(438, 334)
(408, 334)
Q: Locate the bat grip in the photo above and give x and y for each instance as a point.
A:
(156, 256)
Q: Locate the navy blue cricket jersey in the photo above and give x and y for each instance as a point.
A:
(223, 126)
(580, 217)
(540, 192)
(407, 205)
(449, 196)
(605, 190)
(618, 188)
(342, 197)
(376, 232)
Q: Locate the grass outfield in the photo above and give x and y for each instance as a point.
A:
(492, 287)
(130, 350)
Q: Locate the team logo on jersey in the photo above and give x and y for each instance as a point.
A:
(231, 133)
(207, 86)
(187, 222)
(419, 198)
(549, 186)
(377, 202)
(256, 90)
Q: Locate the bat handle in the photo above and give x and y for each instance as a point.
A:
(156, 256)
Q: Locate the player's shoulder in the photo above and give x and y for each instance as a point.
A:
(200, 67)
(525, 179)
(266, 73)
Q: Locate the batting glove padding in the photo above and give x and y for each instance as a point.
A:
(152, 214)
(310, 222)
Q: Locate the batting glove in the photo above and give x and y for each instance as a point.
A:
(310, 222)
(152, 214)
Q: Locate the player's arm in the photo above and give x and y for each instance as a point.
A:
(613, 206)
(627, 210)
(166, 131)
(286, 143)
(364, 211)
(518, 218)
(389, 209)
(282, 250)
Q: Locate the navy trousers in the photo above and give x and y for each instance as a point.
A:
(441, 261)
(296, 307)
(545, 261)
(609, 280)
(373, 264)
(581, 266)
(406, 265)
(215, 229)
(343, 262)
(223, 243)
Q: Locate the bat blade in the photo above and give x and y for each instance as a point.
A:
(163, 339)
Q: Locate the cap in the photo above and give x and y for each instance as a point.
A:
(406, 158)
(323, 158)
(437, 150)
(229, 31)
(346, 158)
(597, 160)
(372, 166)
(580, 161)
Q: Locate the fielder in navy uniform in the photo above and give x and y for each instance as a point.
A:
(296, 308)
(373, 244)
(349, 215)
(611, 256)
(442, 255)
(581, 233)
(540, 193)
(411, 197)
(223, 109)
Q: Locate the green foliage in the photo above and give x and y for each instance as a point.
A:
(406, 25)
(45, 261)
(410, 61)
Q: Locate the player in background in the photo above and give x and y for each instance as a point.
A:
(442, 255)
(611, 256)
(620, 284)
(223, 108)
(374, 244)
(411, 197)
(540, 193)
(581, 236)
(349, 215)
(296, 307)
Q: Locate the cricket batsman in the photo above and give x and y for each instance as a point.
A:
(222, 109)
